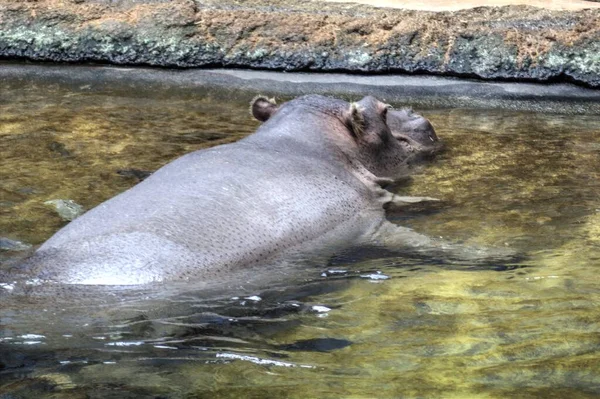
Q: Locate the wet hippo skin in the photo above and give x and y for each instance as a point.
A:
(309, 181)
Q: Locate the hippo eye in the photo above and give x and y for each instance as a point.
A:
(385, 110)
(386, 107)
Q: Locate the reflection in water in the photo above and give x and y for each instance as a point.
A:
(522, 180)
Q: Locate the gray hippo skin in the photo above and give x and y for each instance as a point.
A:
(308, 181)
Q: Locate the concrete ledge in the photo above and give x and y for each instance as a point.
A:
(422, 91)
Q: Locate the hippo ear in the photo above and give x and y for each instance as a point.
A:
(356, 120)
(262, 108)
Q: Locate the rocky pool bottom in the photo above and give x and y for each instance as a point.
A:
(386, 327)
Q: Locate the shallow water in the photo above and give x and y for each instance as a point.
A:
(522, 180)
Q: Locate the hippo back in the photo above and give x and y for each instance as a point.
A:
(208, 213)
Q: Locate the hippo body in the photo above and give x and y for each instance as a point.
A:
(308, 182)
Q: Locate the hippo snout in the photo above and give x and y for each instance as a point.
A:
(407, 125)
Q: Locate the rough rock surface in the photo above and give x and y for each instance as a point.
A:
(67, 209)
(513, 42)
(6, 244)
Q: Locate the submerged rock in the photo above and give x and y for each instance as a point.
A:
(59, 149)
(511, 42)
(317, 345)
(137, 174)
(67, 209)
(6, 244)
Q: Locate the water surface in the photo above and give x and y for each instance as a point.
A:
(522, 180)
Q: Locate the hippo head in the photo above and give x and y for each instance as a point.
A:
(393, 140)
(372, 136)
(408, 125)
(414, 131)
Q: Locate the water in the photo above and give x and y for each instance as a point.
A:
(522, 180)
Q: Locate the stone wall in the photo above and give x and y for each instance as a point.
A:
(512, 42)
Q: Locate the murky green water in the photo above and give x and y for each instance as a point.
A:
(518, 179)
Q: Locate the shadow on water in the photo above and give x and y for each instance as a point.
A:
(366, 323)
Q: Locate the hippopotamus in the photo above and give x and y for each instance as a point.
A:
(311, 180)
